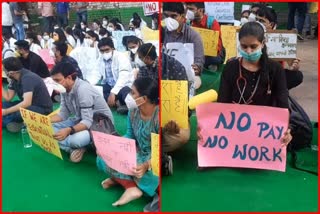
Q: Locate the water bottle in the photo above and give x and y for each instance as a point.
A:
(27, 143)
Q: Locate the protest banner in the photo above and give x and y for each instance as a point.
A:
(229, 39)
(220, 11)
(119, 153)
(174, 102)
(118, 36)
(41, 131)
(210, 40)
(150, 8)
(245, 136)
(151, 36)
(155, 156)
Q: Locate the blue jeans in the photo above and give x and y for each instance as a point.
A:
(20, 34)
(82, 16)
(121, 96)
(78, 140)
(302, 10)
(16, 116)
(62, 20)
(47, 24)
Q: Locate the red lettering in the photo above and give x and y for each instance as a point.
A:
(33, 116)
(44, 120)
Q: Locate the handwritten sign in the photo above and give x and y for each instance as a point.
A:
(119, 153)
(229, 38)
(155, 153)
(118, 36)
(150, 8)
(221, 11)
(245, 136)
(149, 34)
(210, 41)
(45, 55)
(41, 131)
(174, 102)
(184, 53)
(280, 44)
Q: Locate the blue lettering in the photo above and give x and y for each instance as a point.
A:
(209, 143)
(276, 154)
(270, 133)
(225, 142)
(263, 127)
(237, 152)
(264, 150)
(222, 120)
(280, 129)
(251, 156)
(248, 124)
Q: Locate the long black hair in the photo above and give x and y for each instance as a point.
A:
(148, 87)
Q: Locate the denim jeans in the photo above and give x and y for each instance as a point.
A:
(82, 16)
(62, 20)
(78, 140)
(302, 10)
(16, 116)
(47, 24)
(20, 34)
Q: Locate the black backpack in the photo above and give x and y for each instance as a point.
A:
(301, 131)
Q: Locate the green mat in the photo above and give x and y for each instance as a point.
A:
(33, 180)
(236, 189)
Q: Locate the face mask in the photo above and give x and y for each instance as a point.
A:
(55, 27)
(243, 20)
(90, 42)
(171, 24)
(190, 15)
(46, 37)
(130, 102)
(28, 40)
(252, 57)
(107, 56)
(83, 27)
(105, 23)
(110, 29)
(134, 50)
(252, 17)
(139, 62)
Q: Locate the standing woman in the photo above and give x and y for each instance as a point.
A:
(142, 120)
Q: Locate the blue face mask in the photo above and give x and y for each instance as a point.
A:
(252, 57)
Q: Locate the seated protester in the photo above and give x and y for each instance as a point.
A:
(173, 137)
(92, 40)
(84, 26)
(114, 25)
(8, 41)
(105, 21)
(268, 17)
(132, 43)
(59, 36)
(137, 21)
(33, 42)
(114, 70)
(60, 53)
(81, 100)
(31, 91)
(244, 16)
(148, 56)
(196, 13)
(96, 26)
(143, 119)
(154, 22)
(30, 60)
(103, 33)
(69, 35)
(79, 36)
(46, 42)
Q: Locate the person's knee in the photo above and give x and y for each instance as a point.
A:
(80, 139)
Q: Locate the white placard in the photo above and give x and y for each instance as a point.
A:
(221, 11)
(150, 8)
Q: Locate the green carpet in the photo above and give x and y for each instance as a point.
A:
(33, 180)
(236, 189)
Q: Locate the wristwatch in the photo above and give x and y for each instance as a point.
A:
(72, 130)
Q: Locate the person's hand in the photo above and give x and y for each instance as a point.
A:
(141, 169)
(286, 139)
(62, 134)
(196, 69)
(295, 65)
(112, 100)
(200, 138)
(172, 127)
(4, 112)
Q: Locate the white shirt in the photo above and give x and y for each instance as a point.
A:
(6, 15)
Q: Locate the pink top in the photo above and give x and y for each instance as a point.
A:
(45, 8)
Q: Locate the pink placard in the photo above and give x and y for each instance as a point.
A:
(119, 153)
(245, 136)
(45, 55)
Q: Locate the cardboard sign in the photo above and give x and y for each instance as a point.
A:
(40, 131)
(210, 40)
(229, 38)
(150, 8)
(155, 156)
(221, 11)
(245, 136)
(119, 153)
(118, 36)
(174, 102)
(149, 34)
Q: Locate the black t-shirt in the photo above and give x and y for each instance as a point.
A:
(229, 91)
(31, 82)
(35, 64)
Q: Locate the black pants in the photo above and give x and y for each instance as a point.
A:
(121, 96)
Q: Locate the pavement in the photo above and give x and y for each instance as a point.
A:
(307, 93)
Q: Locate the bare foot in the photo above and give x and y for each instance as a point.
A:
(108, 183)
(130, 194)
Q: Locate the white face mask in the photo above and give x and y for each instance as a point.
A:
(105, 23)
(134, 50)
(83, 27)
(110, 29)
(243, 20)
(28, 40)
(171, 24)
(130, 102)
(107, 56)
(139, 62)
(252, 17)
(190, 15)
(90, 42)
(46, 37)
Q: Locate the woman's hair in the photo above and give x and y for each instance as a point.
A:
(148, 87)
(62, 36)
(98, 22)
(115, 22)
(78, 33)
(34, 37)
(148, 50)
(68, 30)
(256, 30)
(131, 39)
(93, 34)
(103, 31)
(268, 13)
(173, 7)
